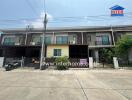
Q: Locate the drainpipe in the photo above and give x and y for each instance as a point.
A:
(53, 38)
(113, 38)
(82, 37)
(26, 38)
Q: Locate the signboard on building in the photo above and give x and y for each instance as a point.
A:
(117, 11)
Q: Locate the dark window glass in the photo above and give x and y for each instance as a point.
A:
(102, 40)
(105, 40)
(9, 41)
(61, 39)
(57, 52)
(48, 40)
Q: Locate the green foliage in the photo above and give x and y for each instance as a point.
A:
(123, 45)
(107, 55)
(62, 63)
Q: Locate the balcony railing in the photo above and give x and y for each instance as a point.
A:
(94, 43)
(12, 43)
(8, 43)
(102, 42)
(57, 43)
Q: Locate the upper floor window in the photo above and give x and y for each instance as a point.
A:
(102, 40)
(48, 40)
(36, 40)
(61, 39)
(72, 39)
(88, 39)
(9, 41)
(129, 36)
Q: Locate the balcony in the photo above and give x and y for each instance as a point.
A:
(38, 43)
(102, 42)
(13, 40)
(97, 44)
(8, 43)
(53, 43)
(12, 43)
(61, 42)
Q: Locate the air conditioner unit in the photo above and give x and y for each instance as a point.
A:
(72, 42)
(32, 43)
(17, 43)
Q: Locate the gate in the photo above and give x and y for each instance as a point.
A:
(78, 63)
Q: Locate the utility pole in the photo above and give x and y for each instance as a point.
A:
(42, 58)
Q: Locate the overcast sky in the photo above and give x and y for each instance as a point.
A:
(19, 13)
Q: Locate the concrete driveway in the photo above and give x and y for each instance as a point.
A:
(66, 85)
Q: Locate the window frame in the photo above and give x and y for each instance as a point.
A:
(102, 41)
(57, 53)
(5, 37)
(61, 41)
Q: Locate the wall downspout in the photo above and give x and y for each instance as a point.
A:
(53, 38)
(26, 39)
(82, 37)
(113, 38)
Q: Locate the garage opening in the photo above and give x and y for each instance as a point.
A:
(78, 54)
(29, 55)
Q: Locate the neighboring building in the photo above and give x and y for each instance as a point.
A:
(75, 43)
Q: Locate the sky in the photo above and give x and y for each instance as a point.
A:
(62, 13)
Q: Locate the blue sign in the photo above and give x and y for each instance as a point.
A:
(117, 11)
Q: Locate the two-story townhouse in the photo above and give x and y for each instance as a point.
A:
(75, 43)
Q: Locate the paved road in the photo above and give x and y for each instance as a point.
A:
(66, 85)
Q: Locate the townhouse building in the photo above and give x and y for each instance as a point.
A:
(75, 43)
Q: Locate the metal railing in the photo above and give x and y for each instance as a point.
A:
(94, 43)
(57, 42)
(102, 42)
(12, 43)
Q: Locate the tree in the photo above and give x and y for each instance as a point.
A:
(123, 46)
(107, 55)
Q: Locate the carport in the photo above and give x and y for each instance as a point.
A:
(19, 52)
(79, 54)
(78, 51)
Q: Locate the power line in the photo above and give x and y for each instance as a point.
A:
(84, 21)
(68, 18)
(63, 20)
(20, 19)
(31, 6)
(45, 6)
(71, 19)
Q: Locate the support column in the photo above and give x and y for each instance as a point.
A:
(96, 56)
(116, 64)
(91, 65)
